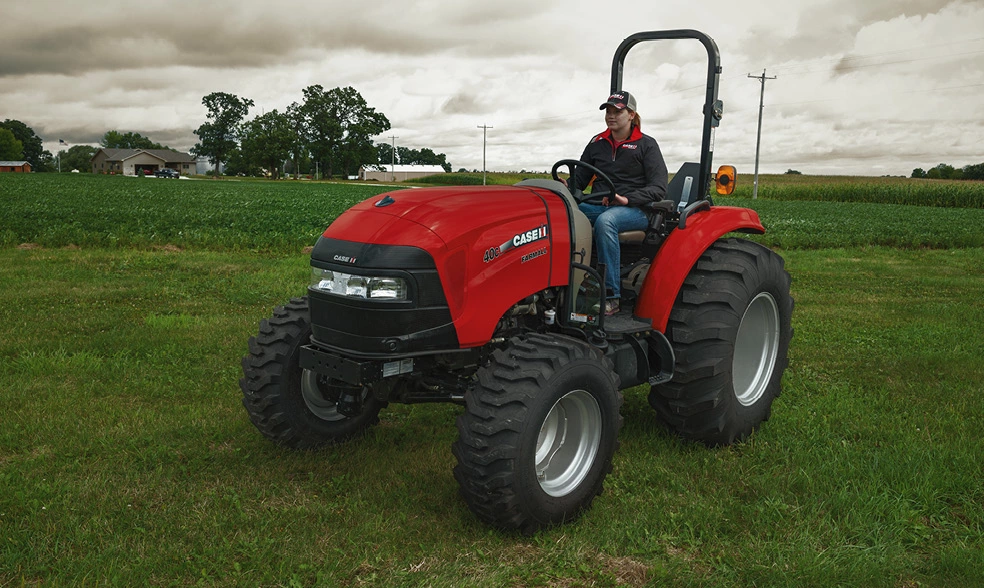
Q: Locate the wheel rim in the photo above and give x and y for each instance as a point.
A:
(568, 443)
(756, 349)
(317, 399)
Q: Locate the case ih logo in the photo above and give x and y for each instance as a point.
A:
(344, 259)
(530, 236)
(524, 238)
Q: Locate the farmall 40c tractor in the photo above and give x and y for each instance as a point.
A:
(487, 297)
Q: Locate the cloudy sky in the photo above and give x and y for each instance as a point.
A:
(867, 87)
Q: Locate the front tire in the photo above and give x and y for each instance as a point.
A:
(295, 407)
(730, 330)
(538, 434)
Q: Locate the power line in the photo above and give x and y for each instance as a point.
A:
(758, 138)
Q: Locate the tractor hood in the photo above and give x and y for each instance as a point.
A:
(492, 246)
(432, 218)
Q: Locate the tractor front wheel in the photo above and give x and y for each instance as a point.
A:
(538, 434)
(730, 330)
(290, 405)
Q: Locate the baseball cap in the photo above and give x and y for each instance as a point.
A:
(620, 100)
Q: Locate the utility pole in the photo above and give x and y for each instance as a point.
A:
(393, 139)
(758, 139)
(485, 129)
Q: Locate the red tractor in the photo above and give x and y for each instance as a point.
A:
(487, 297)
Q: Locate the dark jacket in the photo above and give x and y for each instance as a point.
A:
(635, 166)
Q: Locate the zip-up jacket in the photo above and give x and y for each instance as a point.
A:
(635, 166)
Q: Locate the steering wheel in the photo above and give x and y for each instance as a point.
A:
(596, 195)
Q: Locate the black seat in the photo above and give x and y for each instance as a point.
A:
(682, 189)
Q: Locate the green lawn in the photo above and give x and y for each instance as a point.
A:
(126, 457)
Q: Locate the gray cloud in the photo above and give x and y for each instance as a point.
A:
(879, 84)
(233, 34)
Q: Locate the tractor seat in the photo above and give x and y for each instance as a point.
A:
(636, 237)
(632, 237)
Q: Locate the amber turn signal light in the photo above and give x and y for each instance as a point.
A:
(726, 179)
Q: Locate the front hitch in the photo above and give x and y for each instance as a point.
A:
(349, 399)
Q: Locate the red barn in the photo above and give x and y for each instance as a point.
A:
(15, 166)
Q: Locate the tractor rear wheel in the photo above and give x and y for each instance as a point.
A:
(730, 330)
(538, 434)
(290, 405)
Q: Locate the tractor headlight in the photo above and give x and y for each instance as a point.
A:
(356, 286)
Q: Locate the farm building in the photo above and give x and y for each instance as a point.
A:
(15, 166)
(129, 162)
(399, 173)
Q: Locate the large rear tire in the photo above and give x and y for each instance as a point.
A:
(538, 434)
(730, 330)
(295, 407)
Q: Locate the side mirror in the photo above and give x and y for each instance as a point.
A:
(726, 179)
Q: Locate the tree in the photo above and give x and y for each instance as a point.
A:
(217, 137)
(974, 172)
(919, 173)
(266, 141)
(238, 165)
(128, 140)
(793, 172)
(10, 148)
(33, 148)
(945, 171)
(408, 156)
(340, 126)
(77, 157)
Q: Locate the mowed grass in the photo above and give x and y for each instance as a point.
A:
(126, 457)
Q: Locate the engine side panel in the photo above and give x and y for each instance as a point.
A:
(502, 260)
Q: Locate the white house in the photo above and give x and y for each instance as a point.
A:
(399, 173)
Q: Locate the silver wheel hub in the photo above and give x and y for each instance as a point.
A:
(756, 349)
(568, 443)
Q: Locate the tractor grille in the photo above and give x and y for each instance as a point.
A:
(379, 327)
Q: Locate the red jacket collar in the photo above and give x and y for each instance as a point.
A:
(635, 135)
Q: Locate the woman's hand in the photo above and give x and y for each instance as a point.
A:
(619, 200)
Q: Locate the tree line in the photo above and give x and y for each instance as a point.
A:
(945, 171)
(329, 133)
(19, 142)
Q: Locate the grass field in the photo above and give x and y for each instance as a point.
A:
(113, 211)
(126, 457)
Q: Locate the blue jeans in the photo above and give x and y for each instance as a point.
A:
(608, 222)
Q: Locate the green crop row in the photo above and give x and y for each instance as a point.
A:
(883, 190)
(887, 190)
(813, 225)
(60, 210)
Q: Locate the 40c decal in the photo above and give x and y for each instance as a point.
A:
(491, 253)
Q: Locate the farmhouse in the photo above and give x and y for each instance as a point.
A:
(130, 162)
(15, 166)
(399, 173)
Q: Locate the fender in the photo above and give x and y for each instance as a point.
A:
(680, 252)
